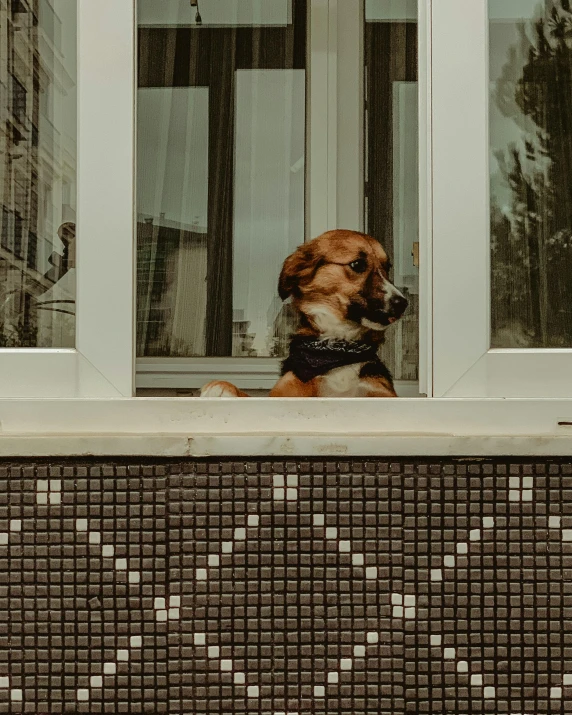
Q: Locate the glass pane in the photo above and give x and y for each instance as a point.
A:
(531, 173)
(220, 180)
(392, 173)
(38, 156)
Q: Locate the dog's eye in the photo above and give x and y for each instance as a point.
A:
(359, 265)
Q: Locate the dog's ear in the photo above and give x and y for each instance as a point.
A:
(298, 268)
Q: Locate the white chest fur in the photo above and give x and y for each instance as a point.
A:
(342, 382)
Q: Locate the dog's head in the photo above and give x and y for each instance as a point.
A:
(339, 282)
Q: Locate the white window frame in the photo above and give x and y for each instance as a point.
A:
(101, 365)
(468, 367)
(38, 424)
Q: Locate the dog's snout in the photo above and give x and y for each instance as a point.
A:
(397, 305)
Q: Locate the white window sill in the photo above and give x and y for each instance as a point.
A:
(263, 427)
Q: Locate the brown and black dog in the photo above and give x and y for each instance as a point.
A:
(340, 288)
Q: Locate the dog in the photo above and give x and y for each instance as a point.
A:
(340, 288)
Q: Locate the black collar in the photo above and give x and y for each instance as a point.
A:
(310, 357)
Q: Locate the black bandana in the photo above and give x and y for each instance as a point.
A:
(310, 357)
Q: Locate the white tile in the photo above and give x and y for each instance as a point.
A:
(159, 602)
(226, 547)
(96, 681)
(213, 651)
(488, 522)
(436, 639)
(278, 480)
(567, 679)
(122, 654)
(554, 522)
(201, 575)
(252, 691)
(94, 537)
(200, 638)
(253, 520)
(161, 615)
(15, 524)
(514, 495)
(398, 611)
(291, 494)
(474, 535)
(397, 599)
(226, 664)
(240, 533)
(319, 691)
(331, 532)
(55, 498)
(372, 637)
(55, 485)
(81, 524)
(42, 485)
(359, 651)
(83, 694)
(107, 550)
(136, 641)
(449, 653)
(292, 480)
(239, 678)
(555, 692)
(346, 664)
(477, 679)
(134, 577)
(319, 520)
(409, 599)
(279, 493)
(527, 482)
(489, 692)
(371, 572)
(357, 559)
(214, 559)
(436, 575)
(449, 561)
(174, 601)
(566, 534)
(121, 564)
(514, 482)
(16, 694)
(42, 498)
(333, 677)
(344, 545)
(4, 681)
(409, 612)
(174, 614)
(3, 538)
(462, 548)
(109, 668)
(462, 666)
(527, 495)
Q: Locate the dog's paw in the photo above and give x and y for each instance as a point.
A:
(219, 388)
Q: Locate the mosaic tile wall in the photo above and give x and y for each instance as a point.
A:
(286, 588)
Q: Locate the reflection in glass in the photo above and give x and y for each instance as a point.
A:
(531, 173)
(220, 181)
(392, 184)
(38, 116)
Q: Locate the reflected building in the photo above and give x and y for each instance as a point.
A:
(37, 175)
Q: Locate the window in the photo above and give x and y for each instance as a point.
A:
(41, 352)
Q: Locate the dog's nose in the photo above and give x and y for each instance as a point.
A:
(397, 305)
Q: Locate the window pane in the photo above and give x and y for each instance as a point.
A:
(531, 173)
(392, 183)
(221, 133)
(38, 152)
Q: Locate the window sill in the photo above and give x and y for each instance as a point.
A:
(189, 427)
